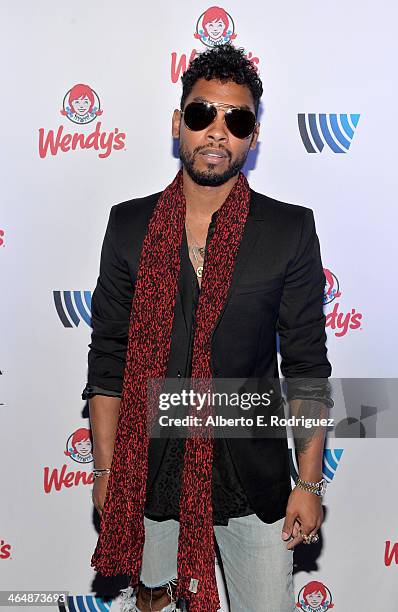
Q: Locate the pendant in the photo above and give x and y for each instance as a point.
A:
(199, 271)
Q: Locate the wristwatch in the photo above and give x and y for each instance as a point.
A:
(318, 488)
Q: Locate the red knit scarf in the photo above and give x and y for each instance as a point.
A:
(121, 540)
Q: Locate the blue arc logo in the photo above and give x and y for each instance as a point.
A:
(73, 307)
(84, 603)
(331, 460)
(335, 130)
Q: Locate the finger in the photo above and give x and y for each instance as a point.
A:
(309, 528)
(296, 540)
(302, 536)
(288, 526)
(296, 528)
(315, 529)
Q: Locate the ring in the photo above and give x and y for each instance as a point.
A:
(309, 539)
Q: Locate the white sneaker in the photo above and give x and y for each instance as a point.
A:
(128, 601)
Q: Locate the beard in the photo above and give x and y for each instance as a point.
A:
(210, 177)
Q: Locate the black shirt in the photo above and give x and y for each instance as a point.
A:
(162, 501)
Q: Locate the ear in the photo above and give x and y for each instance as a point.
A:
(176, 123)
(255, 135)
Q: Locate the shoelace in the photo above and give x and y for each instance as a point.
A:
(129, 599)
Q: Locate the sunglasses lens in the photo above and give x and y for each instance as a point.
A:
(240, 122)
(198, 116)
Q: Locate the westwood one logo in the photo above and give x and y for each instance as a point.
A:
(334, 130)
(73, 307)
(81, 106)
(330, 462)
(82, 603)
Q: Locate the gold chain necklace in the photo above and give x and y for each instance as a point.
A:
(197, 250)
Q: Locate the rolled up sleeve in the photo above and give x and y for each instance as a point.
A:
(301, 322)
(110, 309)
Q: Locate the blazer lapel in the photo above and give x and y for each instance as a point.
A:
(250, 236)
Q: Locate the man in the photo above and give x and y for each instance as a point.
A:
(195, 281)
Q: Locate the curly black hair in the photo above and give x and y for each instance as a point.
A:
(224, 63)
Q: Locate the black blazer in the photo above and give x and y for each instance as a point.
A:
(277, 287)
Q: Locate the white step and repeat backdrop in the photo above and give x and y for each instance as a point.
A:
(327, 141)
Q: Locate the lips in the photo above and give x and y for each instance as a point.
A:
(213, 157)
(214, 153)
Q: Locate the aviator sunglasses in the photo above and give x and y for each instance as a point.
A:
(199, 115)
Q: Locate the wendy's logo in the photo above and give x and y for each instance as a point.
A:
(331, 287)
(79, 446)
(5, 550)
(314, 597)
(81, 104)
(215, 27)
(338, 320)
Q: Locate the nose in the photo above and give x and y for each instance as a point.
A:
(217, 131)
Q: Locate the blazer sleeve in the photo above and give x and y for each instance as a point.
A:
(110, 311)
(301, 322)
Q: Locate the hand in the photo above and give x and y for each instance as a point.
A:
(99, 492)
(304, 513)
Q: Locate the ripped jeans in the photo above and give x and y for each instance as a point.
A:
(257, 566)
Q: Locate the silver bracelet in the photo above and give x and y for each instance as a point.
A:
(318, 488)
(98, 473)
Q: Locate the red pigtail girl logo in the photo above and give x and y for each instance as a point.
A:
(331, 287)
(79, 446)
(81, 104)
(339, 321)
(215, 27)
(314, 597)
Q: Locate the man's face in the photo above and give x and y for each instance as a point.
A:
(213, 156)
